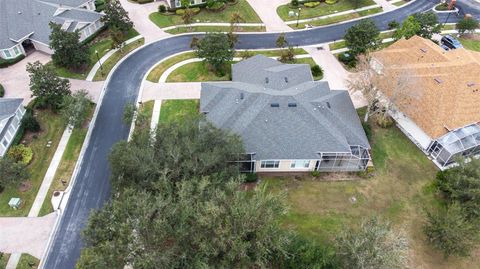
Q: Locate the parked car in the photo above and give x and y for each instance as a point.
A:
(451, 42)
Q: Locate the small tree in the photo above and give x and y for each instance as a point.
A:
(374, 245)
(362, 37)
(449, 231)
(281, 41)
(393, 25)
(187, 17)
(236, 19)
(467, 25)
(29, 122)
(116, 16)
(46, 86)
(75, 108)
(410, 27)
(68, 52)
(216, 49)
(287, 55)
(316, 71)
(11, 171)
(428, 22)
(118, 38)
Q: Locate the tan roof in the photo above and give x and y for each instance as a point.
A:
(448, 81)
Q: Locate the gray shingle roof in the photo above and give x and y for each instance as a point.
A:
(20, 18)
(322, 120)
(8, 106)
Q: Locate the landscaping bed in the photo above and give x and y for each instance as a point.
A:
(398, 190)
(52, 127)
(177, 109)
(322, 9)
(65, 169)
(7, 62)
(242, 7)
(115, 58)
(27, 262)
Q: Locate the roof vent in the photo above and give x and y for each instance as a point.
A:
(292, 104)
(438, 80)
(423, 50)
(266, 80)
(274, 105)
(286, 80)
(19, 13)
(242, 96)
(328, 105)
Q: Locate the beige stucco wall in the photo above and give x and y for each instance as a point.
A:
(284, 166)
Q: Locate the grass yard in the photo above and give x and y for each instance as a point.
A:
(158, 70)
(201, 71)
(400, 3)
(399, 190)
(215, 29)
(146, 108)
(340, 18)
(67, 164)
(102, 44)
(178, 109)
(115, 58)
(3, 260)
(52, 127)
(471, 43)
(322, 9)
(27, 262)
(342, 44)
(205, 16)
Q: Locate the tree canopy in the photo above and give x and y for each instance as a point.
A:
(11, 171)
(362, 37)
(422, 24)
(467, 25)
(216, 48)
(68, 52)
(47, 86)
(75, 107)
(116, 16)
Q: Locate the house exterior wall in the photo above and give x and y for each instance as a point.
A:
(174, 4)
(6, 140)
(42, 47)
(284, 166)
(13, 52)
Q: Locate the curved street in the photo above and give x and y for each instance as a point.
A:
(91, 188)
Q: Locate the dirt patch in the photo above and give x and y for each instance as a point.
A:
(25, 186)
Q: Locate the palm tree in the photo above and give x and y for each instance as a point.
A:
(235, 19)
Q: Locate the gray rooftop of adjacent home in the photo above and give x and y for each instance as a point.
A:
(8, 106)
(21, 18)
(290, 117)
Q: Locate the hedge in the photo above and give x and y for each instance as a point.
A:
(2, 91)
(7, 62)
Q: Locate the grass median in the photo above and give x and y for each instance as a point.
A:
(322, 9)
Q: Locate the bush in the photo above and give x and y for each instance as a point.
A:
(30, 123)
(294, 3)
(304, 253)
(466, 25)
(384, 121)
(393, 25)
(251, 177)
(311, 4)
(7, 62)
(180, 12)
(195, 10)
(348, 59)
(368, 130)
(217, 6)
(144, 1)
(21, 154)
(315, 173)
(331, 2)
(162, 8)
(2, 91)
(316, 71)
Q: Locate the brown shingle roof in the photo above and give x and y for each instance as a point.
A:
(449, 82)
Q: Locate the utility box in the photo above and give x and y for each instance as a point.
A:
(15, 203)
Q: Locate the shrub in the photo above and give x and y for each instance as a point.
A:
(347, 59)
(393, 25)
(315, 173)
(7, 62)
(162, 8)
(180, 12)
(466, 25)
(30, 123)
(305, 253)
(384, 121)
(21, 154)
(331, 2)
(2, 91)
(294, 3)
(368, 130)
(311, 4)
(317, 71)
(195, 10)
(251, 177)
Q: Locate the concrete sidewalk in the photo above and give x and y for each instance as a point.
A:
(157, 106)
(166, 91)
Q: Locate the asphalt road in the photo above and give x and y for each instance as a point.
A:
(91, 189)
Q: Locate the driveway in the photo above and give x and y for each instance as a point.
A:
(26, 235)
(267, 11)
(16, 82)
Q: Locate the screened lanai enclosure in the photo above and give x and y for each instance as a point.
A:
(356, 160)
(462, 142)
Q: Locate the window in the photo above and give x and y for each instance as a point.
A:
(7, 53)
(192, 2)
(270, 164)
(300, 164)
(178, 3)
(5, 143)
(15, 49)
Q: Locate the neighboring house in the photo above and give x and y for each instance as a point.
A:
(287, 121)
(174, 4)
(11, 114)
(444, 119)
(24, 24)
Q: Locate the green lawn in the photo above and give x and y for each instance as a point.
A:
(26, 260)
(342, 44)
(340, 18)
(322, 9)
(400, 3)
(245, 10)
(102, 45)
(201, 71)
(471, 44)
(67, 164)
(178, 109)
(3, 260)
(399, 190)
(52, 126)
(115, 58)
(215, 29)
(147, 109)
